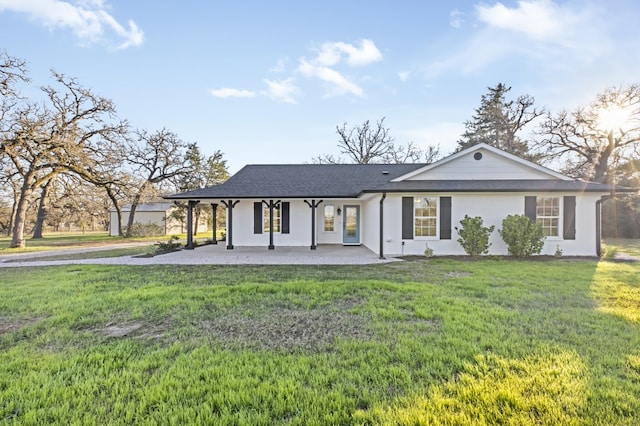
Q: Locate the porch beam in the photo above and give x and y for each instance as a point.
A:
(230, 205)
(313, 205)
(190, 206)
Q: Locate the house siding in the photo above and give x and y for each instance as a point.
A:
(490, 166)
(493, 208)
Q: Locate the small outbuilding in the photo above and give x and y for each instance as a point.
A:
(160, 214)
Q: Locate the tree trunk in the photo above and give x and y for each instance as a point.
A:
(602, 165)
(116, 205)
(197, 219)
(132, 214)
(17, 239)
(43, 208)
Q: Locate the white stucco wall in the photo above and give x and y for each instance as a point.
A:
(299, 226)
(493, 208)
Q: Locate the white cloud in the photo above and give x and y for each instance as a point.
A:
(88, 20)
(455, 19)
(538, 33)
(280, 66)
(282, 90)
(228, 92)
(538, 19)
(336, 83)
(404, 75)
(331, 54)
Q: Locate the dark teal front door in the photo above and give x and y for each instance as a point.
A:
(351, 225)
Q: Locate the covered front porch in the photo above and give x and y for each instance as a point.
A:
(285, 223)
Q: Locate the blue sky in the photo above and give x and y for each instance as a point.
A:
(268, 81)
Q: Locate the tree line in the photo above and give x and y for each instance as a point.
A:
(599, 142)
(68, 156)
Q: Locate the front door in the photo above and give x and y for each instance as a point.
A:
(351, 225)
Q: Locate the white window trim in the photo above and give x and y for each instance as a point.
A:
(422, 237)
(560, 216)
(334, 219)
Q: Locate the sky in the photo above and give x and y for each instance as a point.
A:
(267, 82)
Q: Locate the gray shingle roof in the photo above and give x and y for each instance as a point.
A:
(302, 181)
(351, 180)
(502, 185)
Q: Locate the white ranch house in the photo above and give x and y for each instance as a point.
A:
(397, 209)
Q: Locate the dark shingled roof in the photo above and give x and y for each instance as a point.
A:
(352, 180)
(302, 181)
(498, 185)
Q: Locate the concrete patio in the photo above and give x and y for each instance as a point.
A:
(219, 255)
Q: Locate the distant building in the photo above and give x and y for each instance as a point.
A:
(155, 213)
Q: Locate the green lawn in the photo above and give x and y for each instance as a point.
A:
(419, 342)
(628, 246)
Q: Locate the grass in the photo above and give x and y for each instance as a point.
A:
(436, 341)
(628, 246)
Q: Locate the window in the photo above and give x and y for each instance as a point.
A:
(329, 218)
(276, 219)
(548, 215)
(425, 218)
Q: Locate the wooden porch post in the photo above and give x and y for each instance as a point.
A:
(271, 204)
(313, 206)
(214, 209)
(230, 205)
(190, 205)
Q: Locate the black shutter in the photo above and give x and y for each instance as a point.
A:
(407, 218)
(530, 205)
(284, 217)
(257, 218)
(569, 218)
(445, 218)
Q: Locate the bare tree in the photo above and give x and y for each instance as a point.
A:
(59, 136)
(367, 143)
(589, 146)
(156, 158)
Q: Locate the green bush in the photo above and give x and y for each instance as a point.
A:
(522, 236)
(474, 238)
(169, 246)
(145, 230)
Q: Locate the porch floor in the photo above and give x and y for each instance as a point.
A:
(219, 255)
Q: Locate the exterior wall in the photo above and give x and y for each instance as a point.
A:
(493, 208)
(490, 166)
(299, 226)
(370, 223)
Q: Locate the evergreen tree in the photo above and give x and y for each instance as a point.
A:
(497, 122)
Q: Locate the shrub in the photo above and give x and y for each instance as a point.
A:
(428, 251)
(169, 246)
(145, 230)
(474, 238)
(522, 236)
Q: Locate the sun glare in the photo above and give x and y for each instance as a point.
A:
(613, 118)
